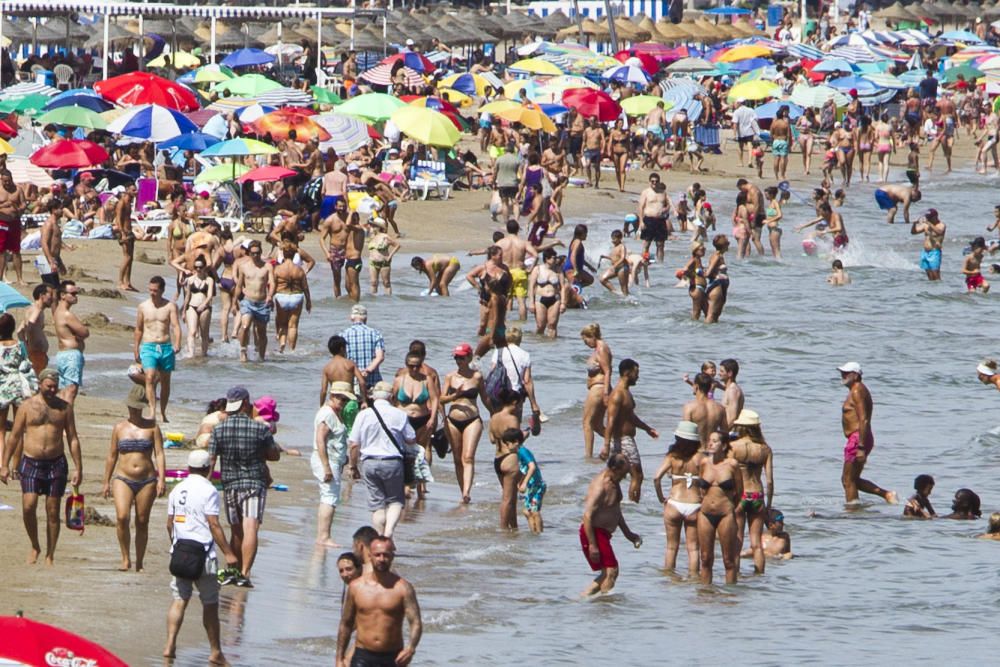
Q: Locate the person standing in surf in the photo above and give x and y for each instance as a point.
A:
(933, 230)
(857, 424)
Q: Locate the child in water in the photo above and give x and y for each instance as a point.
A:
(993, 530)
(838, 276)
(532, 485)
(971, 267)
(777, 542)
(758, 158)
(709, 369)
(619, 264)
(919, 505)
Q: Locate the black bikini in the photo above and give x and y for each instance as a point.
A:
(725, 485)
(461, 424)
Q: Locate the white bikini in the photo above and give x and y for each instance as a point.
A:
(686, 509)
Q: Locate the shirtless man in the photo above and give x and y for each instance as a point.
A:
(593, 142)
(341, 369)
(832, 223)
(933, 230)
(376, 604)
(350, 72)
(889, 197)
(619, 434)
(71, 333)
(757, 209)
(514, 251)
(948, 116)
(157, 340)
(352, 262)
(334, 189)
(32, 330)
(781, 135)
(126, 237)
(12, 205)
(254, 291)
(43, 425)
(709, 415)
(971, 267)
(732, 397)
(620, 266)
(602, 515)
(857, 425)
(205, 243)
(554, 164)
(51, 242)
(333, 239)
(653, 211)
(655, 121)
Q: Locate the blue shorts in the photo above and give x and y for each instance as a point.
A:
(158, 356)
(779, 148)
(258, 310)
(328, 205)
(69, 363)
(885, 202)
(533, 497)
(930, 260)
(592, 154)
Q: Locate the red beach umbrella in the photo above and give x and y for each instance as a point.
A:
(7, 129)
(650, 65)
(590, 103)
(34, 643)
(413, 60)
(69, 154)
(279, 123)
(266, 174)
(137, 88)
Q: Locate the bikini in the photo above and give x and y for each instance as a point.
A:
(227, 283)
(498, 463)
(404, 399)
(721, 278)
(469, 394)
(725, 485)
(548, 301)
(131, 446)
(686, 509)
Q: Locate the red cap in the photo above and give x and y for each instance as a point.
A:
(854, 92)
(707, 206)
(86, 176)
(462, 350)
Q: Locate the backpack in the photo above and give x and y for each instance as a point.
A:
(498, 382)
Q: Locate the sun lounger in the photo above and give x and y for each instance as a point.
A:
(430, 175)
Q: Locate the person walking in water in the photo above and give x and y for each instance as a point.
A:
(602, 516)
(857, 423)
(619, 433)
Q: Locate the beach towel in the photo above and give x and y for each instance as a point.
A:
(885, 202)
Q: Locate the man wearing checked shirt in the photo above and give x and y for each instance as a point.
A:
(365, 346)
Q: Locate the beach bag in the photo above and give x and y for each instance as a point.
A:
(409, 459)
(188, 559)
(497, 381)
(74, 510)
(439, 441)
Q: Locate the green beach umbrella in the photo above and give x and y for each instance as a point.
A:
(74, 115)
(640, 105)
(373, 106)
(965, 69)
(248, 85)
(324, 96)
(221, 173)
(28, 105)
(213, 74)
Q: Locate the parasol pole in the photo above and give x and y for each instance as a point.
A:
(212, 41)
(802, 26)
(141, 44)
(104, 56)
(579, 20)
(611, 26)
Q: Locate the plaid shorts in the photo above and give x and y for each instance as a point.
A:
(245, 504)
(45, 477)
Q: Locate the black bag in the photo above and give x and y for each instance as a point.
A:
(497, 381)
(409, 460)
(439, 441)
(188, 559)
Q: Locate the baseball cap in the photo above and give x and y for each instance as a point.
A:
(86, 176)
(850, 367)
(854, 92)
(409, 42)
(357, 310)
(462, 350)
(199, 459)
(235, 397)
(345, 389)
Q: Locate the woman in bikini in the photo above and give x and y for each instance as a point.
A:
(440, 271)
(137, 453)
(741, 226)
(807, 125)
(177, 233)
(463, 424)
(617, 146)
(598, 385)
(231, 252)
(772, 210)
(717, 277)
(381, 248)
(495, 287)
(864, 139)
(199, 292)
(505, 457)
(419, 396)
(681, 509)
(697, 284)
(545, 287)
(721, 485)
(753, 455)
(576, 264)
(885, 146)
(291, 291)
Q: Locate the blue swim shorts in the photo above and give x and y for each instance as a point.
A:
(930, 260)
(885, 202)
(69, 363)
(158, 356)
(258, 310)
(779, 147)
(533, 497)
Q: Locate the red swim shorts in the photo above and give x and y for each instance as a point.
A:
(10, 236)
(607, 554)
(851, 448)
(974, 281)
(840, 241)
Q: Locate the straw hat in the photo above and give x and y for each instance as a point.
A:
(747, 418)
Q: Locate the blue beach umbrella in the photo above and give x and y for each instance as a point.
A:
(247, 58)
(11, 298)
(959, 36)
(191, 141)
(152, 123)
(95, 104)
(833, 65)
(846, 83)
(626, 74)
(770, 110)
(748, 65)
(727, 11)
(553, 110)
(466, 83)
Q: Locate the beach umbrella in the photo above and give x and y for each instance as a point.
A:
(76, 116)
(833, 65)
(112, 176)
(426, 126)
(960, 36)
(27, 88)
(191, 141)
(137, 88)
(512, 89)
(29, 642)
(372, 106)
(856, 83)
(646, 61)
(5, 147)
(152, 122)
(221, 173)
(816, 96)
(247, 58)
(178, 59)
(468, 83)
(381, 75)
(531, 117)
(851, 39)
(284, 97)
(691, 66)
(454, 97)
(592, 103)
(640, 105)
(213, 73)
(247, 85)
(29, 105)
(567, 81)
(727, 11)
(7, 129)
(969, 72)
(11, 298)
(751, 65)
(497, 106)
(435, 103)
(744, 52)
(266, 174)
(239, 148)
(885, 80)
(288, 51)
(552, 110)
(912, 77)
(249, 114)
(758, 89)
(415, 61)
(324, 96)
(201, 116)
(91, 102)
(69, 154)
(770, 110)
(626, 74)
(280, 123)
(535, 66)
(347, 133)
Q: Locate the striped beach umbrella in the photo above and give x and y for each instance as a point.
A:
(152, 122)
(27, 88)
(347, 133)
(381, 75)
(816, 96)
(626, 74)
(284, 97)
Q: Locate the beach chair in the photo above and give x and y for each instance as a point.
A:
(430, 175)
(146, 192)
(64, 76)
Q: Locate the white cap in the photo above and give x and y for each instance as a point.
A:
(985, 370)
(198, 459)
(850, 367)
(409, 42)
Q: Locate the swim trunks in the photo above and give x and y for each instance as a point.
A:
(353, 264)
(10, 236)
(44, 477)
(258, 310)
(508, 192)
(653, 229)
(69, 363)
(851, 447)
(337, 258)
(496, 151)
(973, 282)
(779, 147)
(533, 497)
(606, 559)
(626, 445)
(158, 356)
(519, 283)
(365, 658)
(840, 241)
(913, 176)
(930, 260)
(884, 200)
(593, 155)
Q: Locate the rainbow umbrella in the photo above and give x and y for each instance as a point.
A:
(280, 123)
(239, 148)
(372, 106)
(222, 173)
(426, 126)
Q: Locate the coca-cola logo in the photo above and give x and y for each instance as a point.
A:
(63, 657)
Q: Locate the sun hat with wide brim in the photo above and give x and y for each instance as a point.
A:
(345, 389)
(687, 431)
(747, 418)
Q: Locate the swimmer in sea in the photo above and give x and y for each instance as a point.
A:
(933, 230)
(777, 541)
(638, 263)
(993, 529)
(965, 506)
(838, 276)
(619, 264)
(602, 516)
(919, 504)
(989, 373)
(971, 267)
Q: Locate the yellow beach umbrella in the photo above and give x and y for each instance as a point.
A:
(5, 147)
(426, 126)
(177, 59)
(459, 99)
(754, 90)
(744, 52)
(531, 117)
(536, 66)
(498, 106)
(640, 105)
